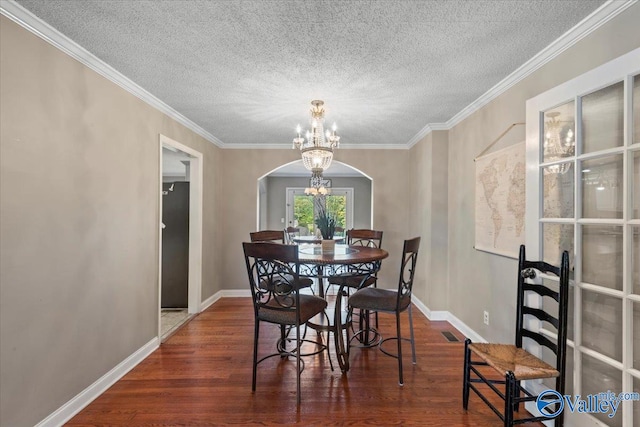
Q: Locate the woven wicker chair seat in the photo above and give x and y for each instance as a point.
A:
(509, 358)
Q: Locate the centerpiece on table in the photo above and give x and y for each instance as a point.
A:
(327, 225)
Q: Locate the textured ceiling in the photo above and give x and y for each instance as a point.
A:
(246, 71)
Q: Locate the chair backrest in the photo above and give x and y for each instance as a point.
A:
(339, 231)
(273, 271)
(274, 236)
(290, 233)
(364, 237)
(528, 270)
(407, 272)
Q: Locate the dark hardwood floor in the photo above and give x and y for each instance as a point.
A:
(202, 376)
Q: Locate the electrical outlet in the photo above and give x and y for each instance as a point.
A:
(486, 317)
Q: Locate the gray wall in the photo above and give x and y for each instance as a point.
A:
(79, 224)
(480, 281)
(277, 194)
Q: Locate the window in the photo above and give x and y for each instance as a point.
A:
(583, 195)
(301, 208)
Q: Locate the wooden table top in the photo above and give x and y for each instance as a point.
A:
(314, 239)
(342, 254)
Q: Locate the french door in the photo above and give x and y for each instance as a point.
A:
(302, 208)
(583, 195)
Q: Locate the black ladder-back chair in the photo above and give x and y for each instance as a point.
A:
(514, 363)
(393, 301)
(273, 271)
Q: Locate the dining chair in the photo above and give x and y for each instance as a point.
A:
(290, 233)
(368, 238)
(393, 301)
(274, 236)
(538, 301)
(273, 271)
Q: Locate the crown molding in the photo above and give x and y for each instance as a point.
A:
(32, 23)
(426, 131)
(592, 22)
(342, 147)
(37, 26)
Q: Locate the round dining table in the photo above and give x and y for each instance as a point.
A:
(314, 239)
(344, 261)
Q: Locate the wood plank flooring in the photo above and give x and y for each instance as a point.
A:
(202, 376)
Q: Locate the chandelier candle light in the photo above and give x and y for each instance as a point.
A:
(557, 145)
(317, 150)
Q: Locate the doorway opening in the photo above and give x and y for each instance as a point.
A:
(283, 203)
(180, 245)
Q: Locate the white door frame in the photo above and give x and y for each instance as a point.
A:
(195, 226)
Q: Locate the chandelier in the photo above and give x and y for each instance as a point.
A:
(557, 145)
(317, 150)
(317, 185)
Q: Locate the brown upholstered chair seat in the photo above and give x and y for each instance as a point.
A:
(353, 281)
(509, 358)
(376, 299)
(303, 282)
(309, 306)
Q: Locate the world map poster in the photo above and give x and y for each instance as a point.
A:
(500, 201)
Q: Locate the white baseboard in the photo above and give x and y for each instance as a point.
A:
(442, 315)
(223, 294)
(80, 401)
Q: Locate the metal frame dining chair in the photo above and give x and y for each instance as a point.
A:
(393, 301)
(513, 363)
(273, 236)
(273, 271)
(372, 239)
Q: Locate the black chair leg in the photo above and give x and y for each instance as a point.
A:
(413, 341)
(466, 374)
(256, 332)
(400, 377)
(298, 345)
(510, 381)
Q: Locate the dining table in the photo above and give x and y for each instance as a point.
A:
(343, 261)
(312, 239)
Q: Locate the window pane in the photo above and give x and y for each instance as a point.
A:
(337, 206)
(635, 259)
(303, 213)
(558, 190)
(602, 324)
(549, 357)
(602, 119)
(556, 239)
(602, 255)
(598, 377)
(636, 109)
(559, 133)
(635, 185)
(636, 336)
(602, 187)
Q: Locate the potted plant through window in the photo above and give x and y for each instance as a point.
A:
(327, 225)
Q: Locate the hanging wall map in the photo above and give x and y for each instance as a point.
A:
(500, 201)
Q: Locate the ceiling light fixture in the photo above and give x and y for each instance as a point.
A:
(317, 150)
(317, 184)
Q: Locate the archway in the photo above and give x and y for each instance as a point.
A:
(272, 189)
